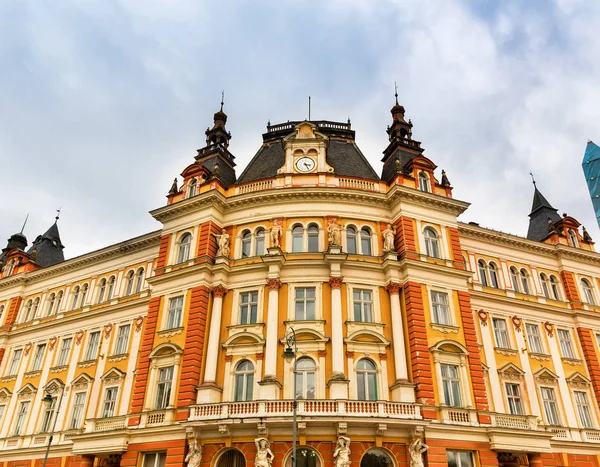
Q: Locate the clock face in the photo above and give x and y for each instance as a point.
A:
(305, 164)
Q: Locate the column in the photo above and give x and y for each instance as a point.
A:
(535, 460)
(270, 386)
(338, 384)
(397, 333)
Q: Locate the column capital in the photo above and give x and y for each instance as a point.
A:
(393, 288)
(218, 291)
(273, 283)
(335, 282)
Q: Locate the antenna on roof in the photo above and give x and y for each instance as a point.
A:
(532, 179)
(396, 92)
(58, 214)
(309, 108)
(25, 223)
(222, 99)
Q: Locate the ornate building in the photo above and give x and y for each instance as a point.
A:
(418, 339)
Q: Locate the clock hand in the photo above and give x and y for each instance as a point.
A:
(307, 165)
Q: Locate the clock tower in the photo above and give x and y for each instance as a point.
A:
(305, 151)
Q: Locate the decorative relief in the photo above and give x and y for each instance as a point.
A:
(322, 353)
(388, 238)
(275, 234)
(260, 356)
(170, 332)
(138, 323)
(393, 288)
(117, 358)
(8, 379)
(273, 283)
(218, 291)
(506, 352)
(32, 374)
(483, 317)
(549, 327)
(223, 243)
(445, 328)
(539, 356)
(336, 282)
(28, 349)
(572, 361)
(349, 354)
(86, 363)
(107, 330)
(335, 233)
(78, 337)
(228, 358)
(52, 343)
(264, 455)
(517, 323)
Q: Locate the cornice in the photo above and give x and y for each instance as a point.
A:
(212, 198)
(401, 192)
(526, 304)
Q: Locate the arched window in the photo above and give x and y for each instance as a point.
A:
(554, 288)
(305, 378)
(102, 291)
(573, 238)
(366, 380)
(75, 300)
(313, 238)
(351, 240)
(84, 291)
(246, 244)
(130, 283)
(365, 241)
(244, 381)
(545, 287)
(192, 188)
(305, 457)
(9, 268)
(111, 287)
(494, 275)
(525, 281)
(59, 297)
(514, 278)
(232, 458)
(51, 302)
(1, 312)
(259, 245)
(28, 308)
(36, 305)
(483, 272)
(184, 248)
(588, 292)
(140, 280)
(297, 238)
(423, 182)
(377, 458)
(432, 247)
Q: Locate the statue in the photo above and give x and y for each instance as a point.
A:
(194, 454)
(264, 455)
(416, 450)
(223, 242)
(388, 238)
(586, 236)
(342, 452)
(335, 233)
(551, 226)
(275, 234)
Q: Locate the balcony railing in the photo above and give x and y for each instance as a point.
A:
(106, 424)
(518, 422)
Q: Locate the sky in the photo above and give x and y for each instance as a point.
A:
(104, 102)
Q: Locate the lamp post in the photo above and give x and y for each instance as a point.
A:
(290, 353)
(48, 400)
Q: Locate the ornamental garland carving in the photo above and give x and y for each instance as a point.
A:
(273, 283)
(107, 330)
(517, 323)
(138, 323)
(27, 349)
(336, 282)
(483, 317)
(549, 327)
(78, 337)
(52, 343)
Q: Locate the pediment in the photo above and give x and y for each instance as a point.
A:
(305, 131)
(54, 385)
(243, 338)
(578, 380)
(5, 394)
(449, 346)
(511, 372)
(113, 374)
(82, 381)
(544, 375)
(29, 390)
(365, 335)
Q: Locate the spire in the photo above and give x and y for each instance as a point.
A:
(47, 249)
(543, 216)
(218, 135)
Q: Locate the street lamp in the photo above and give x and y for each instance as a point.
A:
(48, 401)
(290, 353)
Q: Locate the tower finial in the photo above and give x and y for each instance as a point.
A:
(532, 178)
(222, 99)
(58, 214)
(25, 223)
(396, 92)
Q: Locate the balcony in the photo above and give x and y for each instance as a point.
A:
(157, 417)
(514, 422)
(95, 425)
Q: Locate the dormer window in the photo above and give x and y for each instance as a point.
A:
(424, 182)
(573, 238)
(192, 188)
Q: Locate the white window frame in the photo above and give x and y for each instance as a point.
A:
(104, 413)
(21, 417)
(292, 299)
(505, 330)
(120, 348)
(515, 278)
(361, 301)
(554, 400)
(432, 244)
(359, 249)
(302, 385)
(246, 385)
(459, 385)
(518, 397)
(569, 343)
(305, 299)
(38, 357)
(176, 253)
(458, 459)
(459, 359)
(251, 241)
(74, 412)
(48, 414)
(167, 311)
(248, 305)
(162, 403)
(448, 304)
(542, 349)
(160, 459)
(162, 359)
(424, 182)
(587, 287)
(375, 373)
(590, 409)
(13, 365)
(88, 352)
(60, 353)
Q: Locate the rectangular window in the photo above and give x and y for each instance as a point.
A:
(363, 305)
(441, 311)
(122, 340)
(21, 417)
(513, 394)
(248, 307)
(583, 409)
(155, 459)
(78, 408)
(175, 313)
(460, 458)
(92, 348)
(38, 357)
(566, 347)
(163, 390)
(110, 402)
(65, 350)
(451, 384)
(2, 410)
(550, 409)
(304, 301)
(534, 338)
(49, 409)
(501, 333)
(14, 363)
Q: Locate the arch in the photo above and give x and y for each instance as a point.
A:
(165, 348)
(84, 291)
(111, 287)
(305, 374)
(432, 246)
(59, 297)
(554, 288)
(51, 301)
(245, 243)
(365, 241)
(129, 282)
(451, 346)
(424, 182)
(573, 238)
(351, 234)
(306, 456)
(36, 306)
(193, 187)
(545, 285)
(101, 290)
(482, 268)
(377, 337)
(259, 241)
(139, 280)
(494, 278)
(514, 278)
(524, 275)
(313, 238)
(183, 250)
(27, 308)
(244, 337)
(377, 457)
(75, 297)
(297, 238)
(243, 384)
(588, 292)
(366, 380)
(231, 457)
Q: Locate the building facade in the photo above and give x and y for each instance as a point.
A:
(411, 328)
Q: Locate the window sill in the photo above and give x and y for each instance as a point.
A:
(8, 378)
(58, 368)
(445, 328)
(572, 361)
(118, 357)
(540, 356)
(170, 332)
(87, 363)
(32, 374)
(505, 351)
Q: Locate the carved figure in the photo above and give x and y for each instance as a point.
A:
(342, 452)
(586, 235)
(551, 227)
(335, 233)
(388, 238)
(194, 454)
(416, 450)
(275, 234)
(223, 242)
(264, 455)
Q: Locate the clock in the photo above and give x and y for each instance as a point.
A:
(305, 164)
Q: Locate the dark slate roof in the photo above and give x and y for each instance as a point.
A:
(347, 160)
(226, 172)
(541, 211)
(389, 166)
(269, 158)
(48, 248)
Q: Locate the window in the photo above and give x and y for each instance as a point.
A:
(92, 348)
(28, 308)
(451, 385)
(305, 457)
(51, 302)
(84, 290)
(573, 238)
(297, 238)
(363, 305)
(130, 283)
(588, 292)
(14, 363)
(549, 402)
(248, 307)
(583, 409)
(102, 291)
(259, 246)
(514, 278)
(2, 410)
(432, 247)
(183, 253)
(38, 357)
(305, 378)
(175, 313)
(139, 282)
(313, 238)
(494, 276)
(525, 281)
(460, 458)
(566, 346)
(554, 288)
(65, 349)
(423, 182)
(75, 298)
(376, 458)
(59, 297)
(482, 268)
(1, 311)
(244, 381)
(21, 417)
(49, 408)
(36, 305)
(351, 240)
(155, 459)
(545, 285)
(366, 380)
(111, 288)
(246, 244)
(163, 390)
(501, 333)
(365, 241)
(192, 187)
(78, 408)
(122, 339)
(304, 300)
(513, 394)
(534, 338)
(110, 402)
(441, 311)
